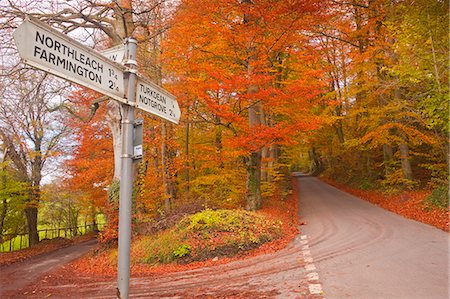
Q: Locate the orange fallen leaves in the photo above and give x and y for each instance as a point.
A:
(408, 204)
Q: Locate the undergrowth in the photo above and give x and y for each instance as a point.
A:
(438, 198)
(208, 234)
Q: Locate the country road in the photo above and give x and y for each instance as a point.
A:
(348, 248)
(364, 252)
(19, 275)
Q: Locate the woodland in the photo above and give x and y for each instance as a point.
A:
(353, 91)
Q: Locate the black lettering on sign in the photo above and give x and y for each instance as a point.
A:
(67, 51)
(70, 66)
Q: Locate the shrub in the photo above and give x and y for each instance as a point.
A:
(439, 197)
(182, 251)
(208, 234)
(163, 247)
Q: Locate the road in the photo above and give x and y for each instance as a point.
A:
(19, 275)
(360, 251)
(276, 275)
(364, 252)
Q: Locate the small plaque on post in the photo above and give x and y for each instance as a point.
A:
(137, 139)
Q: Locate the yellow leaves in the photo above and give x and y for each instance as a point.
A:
(395, 133)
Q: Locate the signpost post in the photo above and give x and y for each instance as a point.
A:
(43, 47)
(126, 172)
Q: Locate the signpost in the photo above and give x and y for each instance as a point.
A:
(152, 98)
(115, 54)
(47, 49)
(126, 172)
(138, 139)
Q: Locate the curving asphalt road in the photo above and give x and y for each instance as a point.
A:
(364, 252)
(277, 275)
(360, 252)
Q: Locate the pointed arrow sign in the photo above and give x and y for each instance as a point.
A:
(116, 53)
(154, 99)
(43, 47)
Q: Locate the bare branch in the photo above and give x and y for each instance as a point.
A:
(94, 107)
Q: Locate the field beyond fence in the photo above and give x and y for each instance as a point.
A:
(19, 241)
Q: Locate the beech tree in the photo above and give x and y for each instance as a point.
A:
(384, 63)
(240, 56)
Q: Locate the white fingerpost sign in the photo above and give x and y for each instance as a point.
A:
(47, 49)
(116, 53)
(154, 99)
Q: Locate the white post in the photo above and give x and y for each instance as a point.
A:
(126, 174)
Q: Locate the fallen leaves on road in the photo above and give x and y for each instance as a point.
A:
(408, 204)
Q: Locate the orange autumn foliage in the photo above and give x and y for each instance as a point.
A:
(217, 51)
(90, 170)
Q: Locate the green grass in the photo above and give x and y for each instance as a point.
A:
(208, 234)
(45, 231)
(438, 198)
(14, 244)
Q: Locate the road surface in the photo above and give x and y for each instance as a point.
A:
(364, 252)
(19, 275)
(348, 248)
(277, 275)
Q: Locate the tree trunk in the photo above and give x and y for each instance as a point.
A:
(4, 201)
(406, 165)
(124, 27)
(186, 163)
(166, 160)
(31, 210)
(31, 213)
(165, 175)
(254, 201)
(114, 118)
(265, 154)
(3, 217)
(218, 142)
(340, 131)
(387, 157)
(94, 223)
(270, 157)
(316, 165)
(338, 125)
(253, 198)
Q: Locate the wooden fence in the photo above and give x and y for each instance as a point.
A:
(19, 241)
